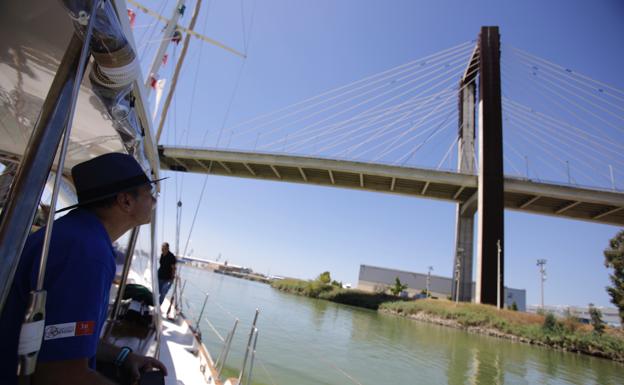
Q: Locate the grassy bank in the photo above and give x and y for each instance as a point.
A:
(524, 327)
(567, 334)
(316, 289)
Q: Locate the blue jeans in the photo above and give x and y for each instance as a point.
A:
(163, 288)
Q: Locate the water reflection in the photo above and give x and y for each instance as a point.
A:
(309, 342)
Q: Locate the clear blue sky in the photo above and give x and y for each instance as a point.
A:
(299, 49)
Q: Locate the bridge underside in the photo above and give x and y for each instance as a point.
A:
(522, 195)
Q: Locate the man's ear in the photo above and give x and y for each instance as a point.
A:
(124, 200)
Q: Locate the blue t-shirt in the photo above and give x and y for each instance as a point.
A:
(79, 274)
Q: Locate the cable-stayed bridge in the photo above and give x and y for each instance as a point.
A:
(483, 125)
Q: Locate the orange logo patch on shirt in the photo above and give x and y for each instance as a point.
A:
(85, 328)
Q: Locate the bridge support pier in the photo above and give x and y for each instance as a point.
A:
(490, 257)
(462, 268)
(464, 218)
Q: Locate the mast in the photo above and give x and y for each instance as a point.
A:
(174, 81)
(167, 35)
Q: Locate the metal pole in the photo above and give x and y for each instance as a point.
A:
(429, 281)
(134, 235)
(178, 224)
(179, 301)
(253, 356)
(32, 327)
(541, 263)
(226, 349)
(457, 276)
(568, 170)
(251, 333)
(28, 185)
(612, 178)
(201, 313)
(498, 275)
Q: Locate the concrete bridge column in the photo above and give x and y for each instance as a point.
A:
(464, 222)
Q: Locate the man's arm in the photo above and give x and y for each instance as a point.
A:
(134, 363)
(69, 372)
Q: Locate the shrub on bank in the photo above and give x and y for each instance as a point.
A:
(357, 298)
(318, 289)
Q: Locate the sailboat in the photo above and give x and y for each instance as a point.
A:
(71, 88)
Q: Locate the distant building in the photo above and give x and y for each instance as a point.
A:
(214, 265)
(373, 278)
(610, 315)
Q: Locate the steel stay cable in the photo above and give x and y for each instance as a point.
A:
(442, 114)
(529, 143)
(562, 124)
(527, 119)
(519, 173)
(508, 144)
(358, 132)
(388, 128)
(569, 111)
(406, 125)
(545, 78)
(457, 61)
(382, 103)
(423, 104)
(417, 61)
(434, 110)
(442, 126)
(305, 128)
(448, 152)
(573, 156)
(545, 148)
(558, 77)
(596, 128)
(567, 152)
(567, 70)
(374, 137)
(372, 114)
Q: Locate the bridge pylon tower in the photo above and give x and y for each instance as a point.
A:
(488, 201)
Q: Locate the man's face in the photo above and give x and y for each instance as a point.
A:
(143, 205)
(164, 248)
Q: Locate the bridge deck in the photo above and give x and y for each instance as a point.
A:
(522, 195)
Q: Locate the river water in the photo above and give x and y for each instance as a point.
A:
(306, 341)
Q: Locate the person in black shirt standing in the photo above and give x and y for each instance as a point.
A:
(166, 271)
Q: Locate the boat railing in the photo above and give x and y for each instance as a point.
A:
(184, 308)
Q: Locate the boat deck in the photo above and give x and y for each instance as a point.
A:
(186, 359)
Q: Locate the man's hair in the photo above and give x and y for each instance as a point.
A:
(108, 202)
(166, 244)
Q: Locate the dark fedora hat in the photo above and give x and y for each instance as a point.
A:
(105, 176)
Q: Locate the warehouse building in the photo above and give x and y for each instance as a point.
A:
(378, 279)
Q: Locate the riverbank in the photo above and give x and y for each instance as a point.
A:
(316, 289)
(529, 328)
(567, 334)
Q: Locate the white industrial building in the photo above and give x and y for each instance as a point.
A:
(375, 279)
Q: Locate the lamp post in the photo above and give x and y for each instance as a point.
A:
(429, 281)
(499, 249)
(541, 263)
(460, 253)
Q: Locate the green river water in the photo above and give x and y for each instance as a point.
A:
(307, 341)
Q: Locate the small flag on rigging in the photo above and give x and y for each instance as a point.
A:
(131, 17)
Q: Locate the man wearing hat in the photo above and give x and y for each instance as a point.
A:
(114, 196)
